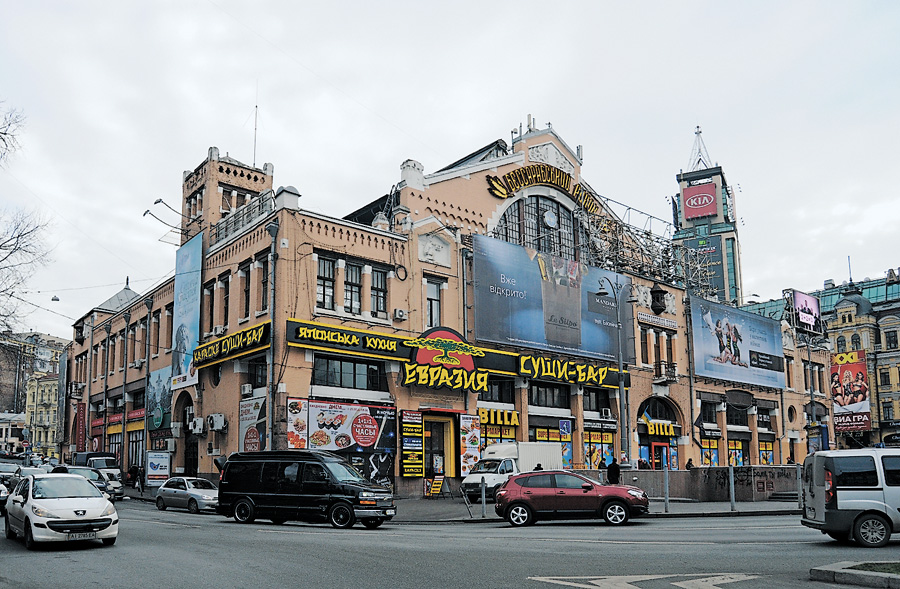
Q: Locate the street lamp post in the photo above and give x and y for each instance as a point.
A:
(821, 344)
(624, 417)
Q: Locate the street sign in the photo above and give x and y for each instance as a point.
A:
(26, 444)
(565, 427)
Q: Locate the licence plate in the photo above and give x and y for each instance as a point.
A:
(390, 512)
(82, 536)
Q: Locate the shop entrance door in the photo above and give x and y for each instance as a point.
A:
(435, 463)
(660, 455)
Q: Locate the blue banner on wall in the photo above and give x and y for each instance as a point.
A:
(186, 314)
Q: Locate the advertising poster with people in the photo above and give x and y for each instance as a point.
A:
(186, 313)
(806, 312)
(730, 344)
(252, 424)
(850, 392)
(536, 300)
(469, 442)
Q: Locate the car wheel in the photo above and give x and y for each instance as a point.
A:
(30, 544)
(872, 531)
(615, 513)
(278, 521)
(244, 513)
(160, 504)
(10, 533)
(193, 507)
(341, 516)
(371, 524)
(520, 514)
(108, 541)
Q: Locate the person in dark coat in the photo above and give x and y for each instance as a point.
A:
(612, 473)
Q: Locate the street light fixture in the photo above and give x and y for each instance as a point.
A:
(624, 418)
(824, 344)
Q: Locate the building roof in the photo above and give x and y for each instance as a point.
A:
(120, 300)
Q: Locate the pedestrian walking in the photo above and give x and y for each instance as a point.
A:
(612, 473)
(140, 480)
(538, 467)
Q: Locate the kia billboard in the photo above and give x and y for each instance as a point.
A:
(699, 201)
(535, 300)
(806, 312)
(730, 344)
(850, 392)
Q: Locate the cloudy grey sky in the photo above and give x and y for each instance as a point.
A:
(798, 101)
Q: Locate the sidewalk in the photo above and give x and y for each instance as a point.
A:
(448, 510)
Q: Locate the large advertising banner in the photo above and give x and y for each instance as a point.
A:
(699, 201)
(252, 424)
(186, 314)
(711, 246)
(535, 300)
(730, 344)
(850, 392)
(469, 442)
(806, 310)
(159, 399)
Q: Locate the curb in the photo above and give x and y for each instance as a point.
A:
(841, 572)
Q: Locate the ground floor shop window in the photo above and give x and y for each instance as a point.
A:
(766, 453)
(136, 448)
(658, 453)
(553, 436)
(438, 446)
(599, 449)
(738, 453)
(115, 445)
(710, 451)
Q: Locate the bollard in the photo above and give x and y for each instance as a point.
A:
(666, 483)
(483, 498)
(731, 485)
(800, 486)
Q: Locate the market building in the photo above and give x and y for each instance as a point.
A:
(497, 299)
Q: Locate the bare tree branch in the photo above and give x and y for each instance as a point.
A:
(11, 122)
(22, 252)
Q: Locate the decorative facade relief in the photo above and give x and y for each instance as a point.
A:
(549, 154)
(434, 250)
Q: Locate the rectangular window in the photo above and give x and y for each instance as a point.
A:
(657, 346)
(154, 328)
(225, 281)
(890, 340)
(763, 419)
(734, 416)
(500, 390)
(244, 273)
(891, 470)
(708, 412)
(884, 378)
(645, 346)
(352, 288)
(379, 291)
(789, 373)
(170, 319)
(596, 399)
(887, 410)
(855, 471)
(358, 374)
(548, 395)
(263, 262)
(325, 284)
(257, 371)
(433, 303)
(209, 291)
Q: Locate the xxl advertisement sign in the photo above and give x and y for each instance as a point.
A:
(806, 312)
(159, 399)
(711, 247)
(699, 201)
(850, 392)
(529, 299)
(730, 344)
(186, 314)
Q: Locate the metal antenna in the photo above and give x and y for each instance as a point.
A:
(255, 119)
(699, 157)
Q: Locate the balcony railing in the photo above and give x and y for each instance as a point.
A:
(665, 372)
(258, 207)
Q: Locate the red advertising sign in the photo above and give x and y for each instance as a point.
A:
(80, 427)
(251, 440)
(365, 429)
(136, 414)
(699, 201)
(117, 418)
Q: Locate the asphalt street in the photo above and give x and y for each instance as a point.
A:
(176, 549)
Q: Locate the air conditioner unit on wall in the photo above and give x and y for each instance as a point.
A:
(197, 425)
(606, 412)
(246, 390)
(170, 445)
(216, 422)
(400, 314)
(218, 330)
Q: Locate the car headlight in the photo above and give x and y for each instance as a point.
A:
(43, 512)
(367, 494)
(636, 493)
(110, 510)
(206, 497)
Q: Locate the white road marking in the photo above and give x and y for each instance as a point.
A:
(713, 582)
(706, 581)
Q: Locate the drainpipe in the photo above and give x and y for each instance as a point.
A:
(107, 327)
(148, 302)
(272, 229)
(466, 255)
(127, 317)
(87, 416)
(690, 339)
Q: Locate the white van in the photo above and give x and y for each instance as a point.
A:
(853, 494)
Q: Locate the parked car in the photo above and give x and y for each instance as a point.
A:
(300, 485)
(21, 472)
(92, 474)
(853, 494)
(7, 469)
(113, 485)
(562, 494)
(4, 494)
(59, 508)
(189, 492)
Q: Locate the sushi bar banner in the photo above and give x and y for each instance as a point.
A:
(341, 426)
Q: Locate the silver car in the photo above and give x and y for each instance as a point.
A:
(193, 493)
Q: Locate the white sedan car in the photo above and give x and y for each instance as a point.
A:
(60, 508)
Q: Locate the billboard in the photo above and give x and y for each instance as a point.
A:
(159, 399)
(534, 300)
(186, 314)
(730, 344)
(699, 201)
(806, 312)
(252, 424)
(850, 392)
(711, 246)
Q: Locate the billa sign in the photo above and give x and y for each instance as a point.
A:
(241, 343)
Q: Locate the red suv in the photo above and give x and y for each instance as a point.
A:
(561, 494)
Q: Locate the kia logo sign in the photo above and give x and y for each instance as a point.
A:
(699, 201)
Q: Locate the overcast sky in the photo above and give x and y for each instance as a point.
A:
(798, 101)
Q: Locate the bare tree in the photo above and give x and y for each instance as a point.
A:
(21, 253)
(11, 122)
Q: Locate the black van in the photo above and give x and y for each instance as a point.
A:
(300, 485)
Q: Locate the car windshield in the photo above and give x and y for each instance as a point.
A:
(344, 472)
(4, 467)
(104, 463)
(63, 488)
(86, 473)
(485, 466)
(27, 471)
(201, 484)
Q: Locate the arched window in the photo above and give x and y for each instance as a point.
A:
(841, 344)
(855, 343)
(658, 410)
(541, 223)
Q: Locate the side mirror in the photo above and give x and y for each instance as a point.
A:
(587, 487)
